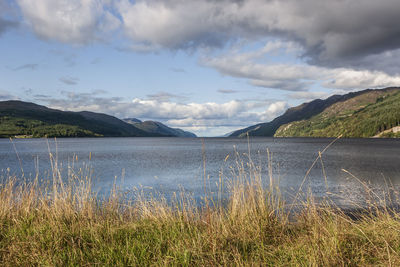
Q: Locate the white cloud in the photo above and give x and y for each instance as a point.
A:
(275, 109)
(172, 24)
(69, 21)
(294, 76)
(348, 78)
(209, 116)
(209, 110)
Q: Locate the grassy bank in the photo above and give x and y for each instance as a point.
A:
(65, 223)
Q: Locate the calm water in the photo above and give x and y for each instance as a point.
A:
(169, 164)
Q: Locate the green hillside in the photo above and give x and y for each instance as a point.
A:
(302, 112)
(372, 113)
(25, 127)
(25, 119)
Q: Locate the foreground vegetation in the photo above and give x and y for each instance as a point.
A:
(65, 223)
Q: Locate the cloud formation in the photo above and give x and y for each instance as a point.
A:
(69, 21)
(352, 34)
(294, 76)
(332, 33)
(205, 116)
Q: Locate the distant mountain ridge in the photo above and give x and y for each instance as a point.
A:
(158, 128)
(25, 119)
(315, 111)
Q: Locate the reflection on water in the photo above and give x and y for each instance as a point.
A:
(168, 164)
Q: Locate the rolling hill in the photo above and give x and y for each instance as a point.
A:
(365, 113)
(26, 119)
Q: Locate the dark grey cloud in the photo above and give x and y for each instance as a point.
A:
(335, 33)
(386, 61)
(27, 67)
(346, 32)
(69, 80)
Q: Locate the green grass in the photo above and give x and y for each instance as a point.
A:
(14, 126)
(64, 223)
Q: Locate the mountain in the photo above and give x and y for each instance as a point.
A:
(371, 114)
(158, 128)
(19, 118)
(333, 116)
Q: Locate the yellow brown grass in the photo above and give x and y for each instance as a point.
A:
(65, 223)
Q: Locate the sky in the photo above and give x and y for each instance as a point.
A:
(206, 66)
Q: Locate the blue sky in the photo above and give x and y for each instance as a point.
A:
(205, 66)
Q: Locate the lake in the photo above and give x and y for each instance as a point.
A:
(169, 164)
